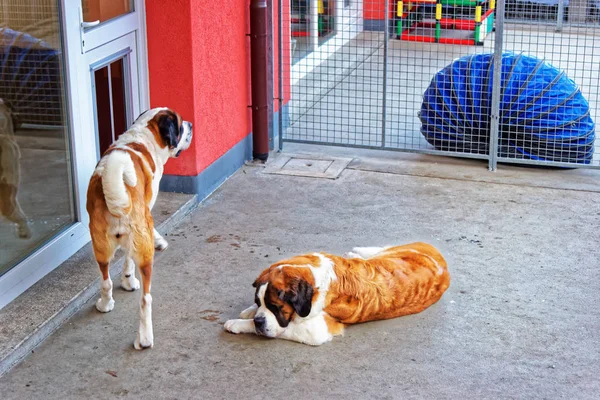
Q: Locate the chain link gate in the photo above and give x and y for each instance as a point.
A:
(429, 85)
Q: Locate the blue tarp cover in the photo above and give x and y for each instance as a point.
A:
(543, 115)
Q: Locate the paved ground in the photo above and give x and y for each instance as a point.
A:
(519, 321)
(31, 317)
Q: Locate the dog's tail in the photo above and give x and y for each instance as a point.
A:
(118, 172)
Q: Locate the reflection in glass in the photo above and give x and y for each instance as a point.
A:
(36, 197)
(103, 10)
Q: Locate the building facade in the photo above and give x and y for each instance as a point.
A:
(74, 74)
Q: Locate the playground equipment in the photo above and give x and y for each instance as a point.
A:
(301, 16)
(543, 114)
(465, 22)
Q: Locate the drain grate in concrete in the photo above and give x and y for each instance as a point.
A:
(310, 166)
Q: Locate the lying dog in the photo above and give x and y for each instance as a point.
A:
(120, 196)
(10, 172)
(309, 298)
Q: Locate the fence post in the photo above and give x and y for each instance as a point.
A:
(496, 87)
(385, 70)
(561, 15)
(280, 67)
(271, 73)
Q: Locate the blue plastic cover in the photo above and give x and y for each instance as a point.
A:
(543, 115)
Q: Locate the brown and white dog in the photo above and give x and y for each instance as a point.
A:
(309, 298)
(10, 172)
(121, 194)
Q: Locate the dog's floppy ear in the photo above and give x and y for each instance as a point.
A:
(300, 297)
(168, 127)
(262, 278)
(139, 116)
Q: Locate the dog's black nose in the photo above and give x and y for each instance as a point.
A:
(259, 322)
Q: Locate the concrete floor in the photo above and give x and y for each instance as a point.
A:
(519, 321)
(35, 314)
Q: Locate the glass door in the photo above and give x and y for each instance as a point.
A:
(110, 32)
(114, 93)
(105, 10)
(37, 200)
(72, 78)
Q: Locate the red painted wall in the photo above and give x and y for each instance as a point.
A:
(170, 65)
(198, 60)
(199, 65)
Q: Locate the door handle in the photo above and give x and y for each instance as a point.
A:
(82, 26)
(90, 24)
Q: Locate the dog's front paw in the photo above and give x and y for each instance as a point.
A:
(105, 306)
(130, 284)
(237, 325)
(143, 341)
(249, 312)
(230, 326)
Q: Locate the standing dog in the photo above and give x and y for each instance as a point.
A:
(10, 172)
(120, 197)
(309, 298)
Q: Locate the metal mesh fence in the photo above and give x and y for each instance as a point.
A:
(566, 36)
(419, 76)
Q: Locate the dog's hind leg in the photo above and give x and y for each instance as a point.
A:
(22, 227)
(106, 302)
(160, 244)
(352, 255)
(145, 336)
(103, 256)
(11, 209)
(128, 280)
(367, 252)
(144, 257)
(104, 246)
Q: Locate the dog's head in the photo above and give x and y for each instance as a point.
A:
(170, 131)
(283, 293)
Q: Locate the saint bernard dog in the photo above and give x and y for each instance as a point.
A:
(10, 172)
(309, 298)
(120, 197)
